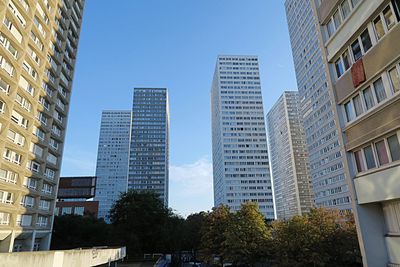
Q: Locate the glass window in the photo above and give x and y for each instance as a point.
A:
(382, 153)
(359, 161)
(379, 90)
(366, 40)
(345, 9)
(346, 61)
(330, 28)
(369, 157)
(396, 7)
(349, 111)
(394, 78)
(66, 210)
(355, 47)
(379, 30)
(368, 98)
(389, 17)
(339, 68)
(394, 147)
(336, 19)
(357, 105)
(354, 2)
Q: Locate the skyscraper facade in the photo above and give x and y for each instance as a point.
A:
(289, 157)
(324, 148)
(149, 146)
(240, 156)
(360, 40)
(38, 46)
(112, 158)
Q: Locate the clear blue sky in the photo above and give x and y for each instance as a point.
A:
(174, 44)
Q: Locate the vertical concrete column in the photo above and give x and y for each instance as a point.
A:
(7, 244)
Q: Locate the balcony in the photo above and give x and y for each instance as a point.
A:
(381, 185)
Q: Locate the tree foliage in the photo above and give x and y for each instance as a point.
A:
(247, 237)
(73, 231)
(321, 238)
(140, 221)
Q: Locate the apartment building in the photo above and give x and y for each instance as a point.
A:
(289, 157)
(75, 196)
(112, 159)
(324, 147)
(240, 155)
(360, 40)
(149, 146)
(38, 47)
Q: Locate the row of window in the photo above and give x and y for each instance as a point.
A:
(24, 220)
(341, 14)
(378, 153)
(381, 25)
(375, 93)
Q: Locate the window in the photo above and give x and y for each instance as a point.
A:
(357, 105)
(8, 176)
(359, 161)
(346, 60)
(391, 213)
(369, 157)
(366, 40)
(339, 68)
(354, 2)
(394, 147)
(368, 98)
(389, 18)
(4, 218)
(379, 30)
(66, 210)
(345, 7)
(330, 28)
(5, 87)
(394, 79)
(356, 48)
(42, 221)
(28, 201)
(30, 183)
(336, 19)
(379, 90)
(24, 220)
(349, 111)
(6, 197)
(382, 153)
(79, 210)
(2, 106)
(396, 7)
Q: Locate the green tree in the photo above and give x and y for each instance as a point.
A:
(213, 234)
(139, 220)
(74, 231)
(192, 231)
(324, 237)
(247, 238)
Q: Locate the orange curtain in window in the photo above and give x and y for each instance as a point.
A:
(358, 73)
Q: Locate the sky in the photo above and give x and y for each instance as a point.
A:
(174, 44)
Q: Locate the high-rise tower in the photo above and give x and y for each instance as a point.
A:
(240, 155)
(289, 157)
(149, 147)
(324, 148)
(38, 46)
(112, 158)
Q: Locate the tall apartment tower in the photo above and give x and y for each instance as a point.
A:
(240, 155)
(360, 40)
(289, 157)
(38, 46)
(112, 159)
(149, 147)
(324, 148)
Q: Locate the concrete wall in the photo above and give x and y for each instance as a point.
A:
(63, 258)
